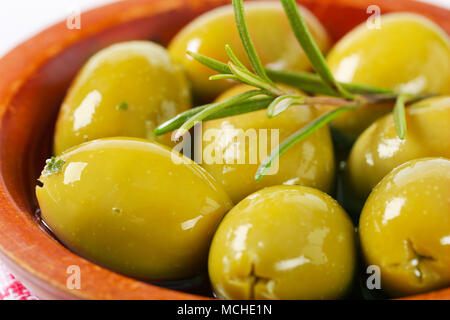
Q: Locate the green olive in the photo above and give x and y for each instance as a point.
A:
(284, 242)
(234, 147)
(270, 31)
(133, 206)
(405, 227)
(408, 54)
(379, 149)
(124, 90)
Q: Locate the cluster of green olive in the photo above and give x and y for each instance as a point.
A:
(119, 196)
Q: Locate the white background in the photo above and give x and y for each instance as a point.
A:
(19, 19)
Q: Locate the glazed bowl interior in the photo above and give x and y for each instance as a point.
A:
(35, 78)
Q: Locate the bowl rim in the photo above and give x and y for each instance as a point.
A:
(18, 65)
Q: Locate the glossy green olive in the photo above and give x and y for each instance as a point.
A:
(284, 242)
(379, 149)
(408, 54)
(124, 90)
(133, 206)
(405, 227)
(270, 31)
(234, 147)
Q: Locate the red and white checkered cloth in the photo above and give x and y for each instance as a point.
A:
(10, 288)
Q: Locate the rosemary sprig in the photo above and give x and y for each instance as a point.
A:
(310, 47)
(399, 111)
(254, 104)
(295, 138)
(213, 108)
(251, 105)
(282, 103)
(233, 57)
(313, 84)
(211, 63)
(305, 81)
(246, 106)
(346, 97)
(245, 76)
(399, 116)
(247, 42)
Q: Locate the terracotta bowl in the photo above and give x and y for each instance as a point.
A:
(34, 79)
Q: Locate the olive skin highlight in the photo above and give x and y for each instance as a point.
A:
(126, 204)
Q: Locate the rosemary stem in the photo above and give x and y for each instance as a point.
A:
(312, 83)
(254, 104)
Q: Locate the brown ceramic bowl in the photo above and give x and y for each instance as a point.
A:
(34, 79)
